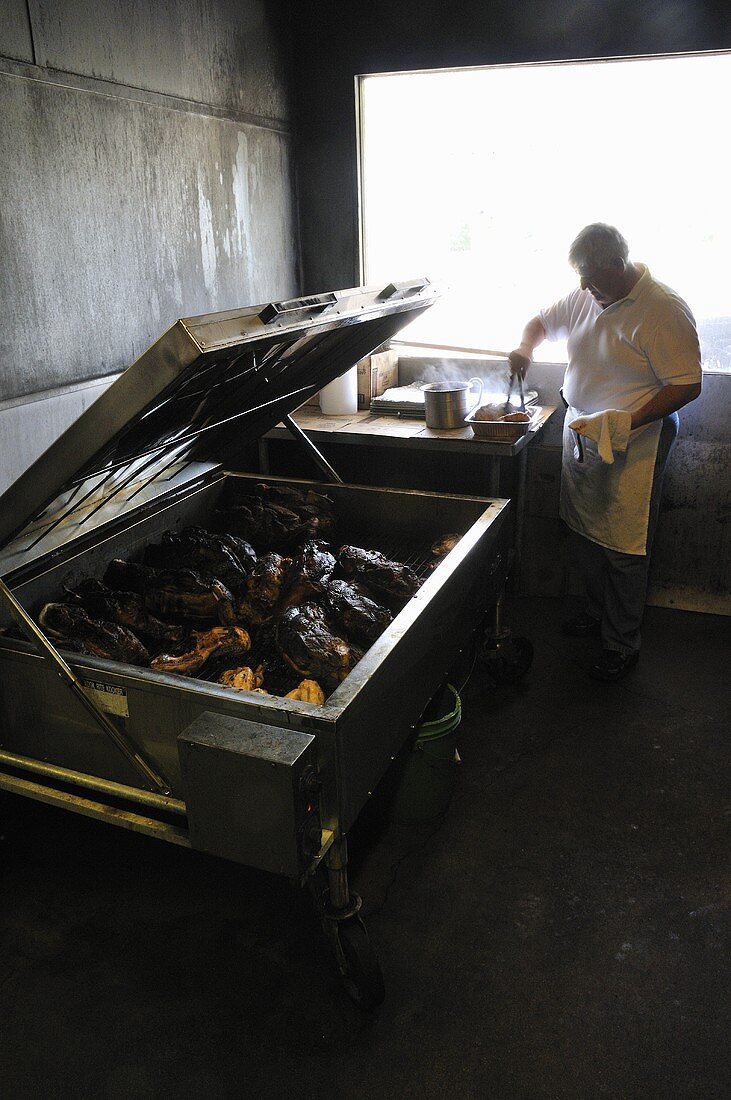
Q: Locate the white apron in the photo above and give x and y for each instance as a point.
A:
(609, 503)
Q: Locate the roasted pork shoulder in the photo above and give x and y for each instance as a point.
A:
(311, 569)
(352, 609)
(224, 557)
(378, 573)
(308, 645)
(71, 625)
(228, 645)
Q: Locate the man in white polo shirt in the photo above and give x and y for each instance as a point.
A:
(633, 361)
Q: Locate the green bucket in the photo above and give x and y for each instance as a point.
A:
(429, 771)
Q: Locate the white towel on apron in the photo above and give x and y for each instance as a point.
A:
(610, 430)
(609, 503)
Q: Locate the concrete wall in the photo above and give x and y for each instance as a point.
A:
(147, 174)
(691, 554)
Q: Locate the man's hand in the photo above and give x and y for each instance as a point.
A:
(519, 362)
(521, 357)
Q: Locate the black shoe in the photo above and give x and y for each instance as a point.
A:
(583, 626)
(613, 665)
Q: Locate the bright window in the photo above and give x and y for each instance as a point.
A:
(481, 179)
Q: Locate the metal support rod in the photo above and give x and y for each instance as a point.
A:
(337, 873)
(93, 783)
(68, 677)
(519, 518)
(263, 455)
(493, 475)
(148, 826)
(451, 347)
(320, 459)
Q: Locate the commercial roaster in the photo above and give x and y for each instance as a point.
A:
(265, 781)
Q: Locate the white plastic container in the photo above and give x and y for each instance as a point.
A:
(341, 396)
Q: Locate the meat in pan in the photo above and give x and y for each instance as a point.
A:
(264, 587)
(278, 517)
(308, 691)
(352, 609)
(242, 679)
(312, 568)
(181, 595)
(279, 677)
(127, 576)
(71, 625)
(126, 609)
(439, 551)
(444, 545)
(264, 526)
(308, 645)
(184, 595)
(379, 575)
(226, 646)
(314, 509)
(224, 557)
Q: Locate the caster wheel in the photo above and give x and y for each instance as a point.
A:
(508, 663)
(359, 966)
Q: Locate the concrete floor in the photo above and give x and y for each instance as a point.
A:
(561, 933)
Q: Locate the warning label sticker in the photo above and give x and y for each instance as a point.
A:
(108, 697)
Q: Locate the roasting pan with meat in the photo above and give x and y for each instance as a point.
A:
(262, 647)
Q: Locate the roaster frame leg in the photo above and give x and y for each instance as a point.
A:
(347, 934)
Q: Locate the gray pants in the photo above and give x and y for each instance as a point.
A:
(616, 584)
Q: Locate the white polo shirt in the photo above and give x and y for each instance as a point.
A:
(620, 356)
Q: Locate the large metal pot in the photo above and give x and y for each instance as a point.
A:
(446, 404)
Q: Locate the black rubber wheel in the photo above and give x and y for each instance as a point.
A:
(360, 969)
(511, 662)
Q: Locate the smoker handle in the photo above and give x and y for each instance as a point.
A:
(68, 677)
(316, 304)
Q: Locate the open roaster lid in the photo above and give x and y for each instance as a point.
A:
(203, 391)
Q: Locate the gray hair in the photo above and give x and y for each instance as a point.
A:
(598, 245)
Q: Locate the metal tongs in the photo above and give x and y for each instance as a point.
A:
(513, 376)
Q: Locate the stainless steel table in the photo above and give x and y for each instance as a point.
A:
(372, 430)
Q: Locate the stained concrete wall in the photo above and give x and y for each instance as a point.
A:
(334, 46)
(147, 174)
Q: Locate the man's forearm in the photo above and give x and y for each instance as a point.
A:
(668, 400)
(533, 335)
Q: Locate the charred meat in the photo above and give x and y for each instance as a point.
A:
(73, 626)
(315, 509)
(354, 611)
(312, 569)
(264, 526)
(184, 595)
(224, 557)
(377, 573)
(126, 609)
(264, 588)
(181, 595)
(279, 677)
(308, 645)
(278, 517)
(127, 576)
(225, 644)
